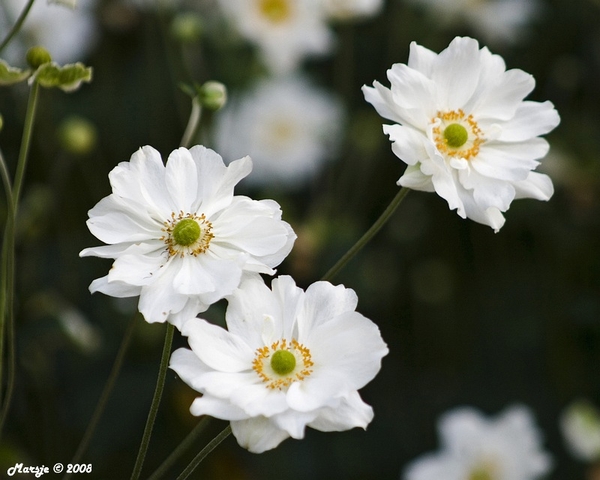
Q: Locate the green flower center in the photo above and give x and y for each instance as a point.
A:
(186, 232)
(283, 362)
(455, 135)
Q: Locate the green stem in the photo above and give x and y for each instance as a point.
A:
(181, 448)
(214, 443)
(160, 383)
(191, 131)
(5, 244)
(8, 252)
(108, 388)
(368, 235)
(17, 25)
(25, 143)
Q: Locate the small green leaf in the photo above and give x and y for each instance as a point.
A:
(67, 78)
(10, 75)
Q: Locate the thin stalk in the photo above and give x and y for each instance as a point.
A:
(160, 383)
(8, 251)
(181, 448)
(4, 265)
(193, 126)
(214, 443)
(25, 143)
(17, 26)
(108, 388)
(368, 235)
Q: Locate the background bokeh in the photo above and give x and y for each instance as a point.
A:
(470, 317)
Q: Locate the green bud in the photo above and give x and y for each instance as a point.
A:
(456, 135)
(283, 362)
(187, 27)
(37, 56)
(186, 232)
(77, 135)
(213, 95)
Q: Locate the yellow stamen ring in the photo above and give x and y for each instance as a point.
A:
(187, 234)
(280, 364)
(457, 135)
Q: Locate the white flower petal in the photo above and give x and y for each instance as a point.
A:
(414, 95)
(114, 289)
(382, 100)
(216, 347)
(181, 178)
(135, 269)
(349, 346)
(351, 412)
(294, 423)
(530, 120)
(249, 226)
(217, 408)
(258, 434)
(408, 144)
(456, 74)
(422, 59)
(536, 185)
(415, 179)
(158, 299)
(324, 302)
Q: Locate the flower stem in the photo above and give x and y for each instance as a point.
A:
(7, 273)
(160, 383)
(108, 388)
(214, 443)
(193, 126)
(368, 235)
(17, 26)
(181, 448)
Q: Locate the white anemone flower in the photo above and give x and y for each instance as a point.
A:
(474, 447)
(464, 129)
(495, 21)
(290, 359)
(67, 33)
(180, 239)
(285, 31)
(289, 127)
(580, 426)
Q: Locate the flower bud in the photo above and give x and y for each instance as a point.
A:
(77, 135)
(37, 56)
(213, 95)
(187, 27)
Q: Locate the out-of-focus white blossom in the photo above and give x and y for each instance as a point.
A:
(285, 31)
(474, 447)
(288, 126)
(580, 426)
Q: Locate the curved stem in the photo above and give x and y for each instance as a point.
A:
(17, 26)
(108, 388)
(214, 443)
(368, 235)
(193, 126)
(160, 383)
(181, 448)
